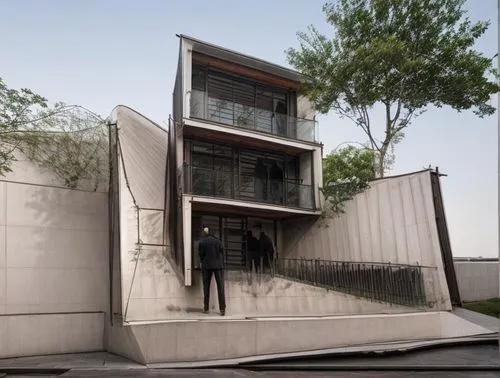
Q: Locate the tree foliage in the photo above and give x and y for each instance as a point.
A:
(71, 141)
(400, 55)
(346, 173)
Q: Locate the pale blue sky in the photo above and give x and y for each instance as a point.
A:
(100, 53)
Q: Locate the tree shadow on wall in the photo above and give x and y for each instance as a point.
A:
(149, 247)
(61, 222)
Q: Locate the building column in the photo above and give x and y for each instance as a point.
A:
(187, 240)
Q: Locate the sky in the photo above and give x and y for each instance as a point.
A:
(101, 53)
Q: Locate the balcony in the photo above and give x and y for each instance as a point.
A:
(229, 185)
(235, 114)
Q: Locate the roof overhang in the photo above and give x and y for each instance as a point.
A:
(235, 57)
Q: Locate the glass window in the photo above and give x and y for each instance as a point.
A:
(239, 102)
(198, 79)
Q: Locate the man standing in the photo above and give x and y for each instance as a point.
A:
(252, 251)
(266, 249)
(211, 258)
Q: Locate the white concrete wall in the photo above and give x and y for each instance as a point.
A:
(393, 221)
(53, 265)
(477, 280)
(24, 171)
(318, 175)
(305, 108)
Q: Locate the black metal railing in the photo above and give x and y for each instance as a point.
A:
(203, 106)
(396, 284)
(226, 184)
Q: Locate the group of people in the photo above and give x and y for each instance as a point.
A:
(258, 254)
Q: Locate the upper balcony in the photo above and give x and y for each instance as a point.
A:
(233, 107)
(231, 95)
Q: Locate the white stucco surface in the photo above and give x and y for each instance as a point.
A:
(477, 280)
(53, 265)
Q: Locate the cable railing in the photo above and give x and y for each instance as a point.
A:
(226, 184)
(392, 283)
(205, 107)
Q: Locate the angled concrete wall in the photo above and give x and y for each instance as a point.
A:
(392, 221)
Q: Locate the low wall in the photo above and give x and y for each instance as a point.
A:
(53, 268)
(205, 340)
(477, 280)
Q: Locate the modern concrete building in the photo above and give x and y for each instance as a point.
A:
(245, 151)
(116, 269)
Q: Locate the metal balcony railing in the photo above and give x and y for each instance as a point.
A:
(392, 283)
(226, 184)
(231, 113)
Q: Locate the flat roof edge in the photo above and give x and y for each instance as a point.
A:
(240, 58)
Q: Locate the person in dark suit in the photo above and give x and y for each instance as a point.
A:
(212, 263)
(266, 249)
(252, 251)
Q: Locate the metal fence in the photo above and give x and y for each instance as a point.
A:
(227, 184)
(392, 283)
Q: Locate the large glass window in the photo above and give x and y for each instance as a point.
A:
(221, 171)
(212, 170)
(240, 102)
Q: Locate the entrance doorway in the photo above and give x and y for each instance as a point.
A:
(232, 232)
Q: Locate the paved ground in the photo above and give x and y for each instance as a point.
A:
(97, 360)
(465, 355)
(481, 360)
(472, 357)
(238, 374)
(488, 322)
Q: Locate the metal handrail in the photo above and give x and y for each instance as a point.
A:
(393, 283)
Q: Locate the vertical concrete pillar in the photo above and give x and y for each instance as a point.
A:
(186, 235)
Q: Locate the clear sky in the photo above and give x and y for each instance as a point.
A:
(100, 53)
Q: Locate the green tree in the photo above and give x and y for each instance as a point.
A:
(400, 56)
(346, 172)
(69, 140)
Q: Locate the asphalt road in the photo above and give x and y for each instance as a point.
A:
(243, 374)
(471, 357)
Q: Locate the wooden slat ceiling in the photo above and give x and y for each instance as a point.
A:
(246, 72)
(227, 210)
(232, 140)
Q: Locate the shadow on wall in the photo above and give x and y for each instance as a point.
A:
(299, 229)
(150, 251)
(68, 240)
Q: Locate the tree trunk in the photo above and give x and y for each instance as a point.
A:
(380, 162)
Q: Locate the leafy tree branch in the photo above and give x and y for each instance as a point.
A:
(69, 140)
(346, 172)
(400, 55)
